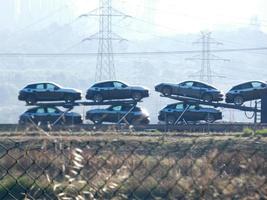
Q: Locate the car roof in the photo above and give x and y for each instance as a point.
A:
(249, 82)
(109, 81)
(198, 82)
(43, 83)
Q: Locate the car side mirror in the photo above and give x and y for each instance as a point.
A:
(263, 85)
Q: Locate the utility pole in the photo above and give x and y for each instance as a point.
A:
(105, 68)
(206, 74)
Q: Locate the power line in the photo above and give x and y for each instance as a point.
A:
(143, 53)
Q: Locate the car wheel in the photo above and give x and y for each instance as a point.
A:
(210, 118)
(137, 96)
(97, 119)
(69, 99)
(31, 100)
(207, 97)
(238, 100)
(166, 91)
(98, 98)
(171, 120)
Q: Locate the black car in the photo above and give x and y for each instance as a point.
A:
(49, 115)
(171, 113)
(191, 89)
(115, 113)
(110, 90)
(33, 93)
(246, 92)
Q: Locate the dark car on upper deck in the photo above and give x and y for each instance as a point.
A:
(111, 90)
(194, 113)
(193, 89)
(114, 114)
(247, 91)
(49, 115)
(35, 92)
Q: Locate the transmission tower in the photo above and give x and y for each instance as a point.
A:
(105, 68)
(206, 74)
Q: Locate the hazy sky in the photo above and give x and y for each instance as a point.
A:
(174, 16)
(165, 17)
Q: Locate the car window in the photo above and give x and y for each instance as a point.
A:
(256, 84)
(51, 110)
(188, 84)
(107, 84)
(51, 87)
(40, 110)
(246, 86)
(40, 86)
(192, 107)
(119, 85)
(30, 87)
(117, 108)
(201, 85)
(179, 106)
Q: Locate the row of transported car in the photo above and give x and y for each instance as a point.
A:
(115, 113)
(111, 90)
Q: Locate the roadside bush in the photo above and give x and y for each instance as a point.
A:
(247, 132)
(262, 132)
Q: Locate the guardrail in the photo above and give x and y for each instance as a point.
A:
(215, 127)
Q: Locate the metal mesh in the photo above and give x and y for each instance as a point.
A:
(120, 166)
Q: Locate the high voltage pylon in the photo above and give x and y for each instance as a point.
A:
(206, 74)
(105, 68)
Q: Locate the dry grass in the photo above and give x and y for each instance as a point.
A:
(132, 167)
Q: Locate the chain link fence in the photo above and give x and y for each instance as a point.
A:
(120, 166)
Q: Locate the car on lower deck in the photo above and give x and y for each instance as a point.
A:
(113, 90)
(49, 91)
(114, 114)
(193, 89)
(195, 113)
(49, 115)
(248, 91)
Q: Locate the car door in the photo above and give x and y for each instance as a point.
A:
(179, 108)
(247, 91)
(113, 114)
(40, 116)
(186, 89)
(258, 89)
(53, 92)
(40, 92)
(107, 90)
(52, 114)
(121, 91)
